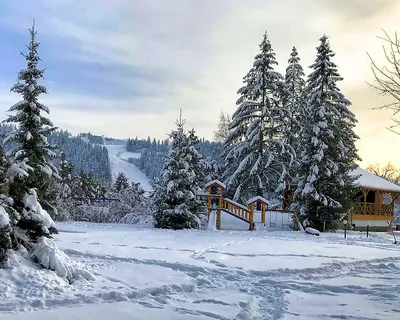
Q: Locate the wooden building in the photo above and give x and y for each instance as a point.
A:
(374, 204)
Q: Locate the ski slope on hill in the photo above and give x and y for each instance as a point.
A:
(118, 162)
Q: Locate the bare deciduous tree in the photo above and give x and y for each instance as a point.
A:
(387, 78)
(389, 172)
(222, 130)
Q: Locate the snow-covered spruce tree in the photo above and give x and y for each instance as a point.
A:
(28, 225)
(256, 156)
(200, 167)
(63, 189)
(173, 192)
(329, 141)
(121, 183)
(8, 215)
(33, 149)
(295, 102)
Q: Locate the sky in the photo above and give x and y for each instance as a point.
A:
(125, 68)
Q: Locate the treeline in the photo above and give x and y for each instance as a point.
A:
(89, 158)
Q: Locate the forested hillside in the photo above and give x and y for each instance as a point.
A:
(153, 153)
(83, 155)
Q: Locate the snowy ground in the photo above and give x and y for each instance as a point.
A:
(157, 274)
(118, 160)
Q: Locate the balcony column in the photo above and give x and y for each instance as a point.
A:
(365, 192)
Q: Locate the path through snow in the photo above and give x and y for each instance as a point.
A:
(161, 274)
(118, 161)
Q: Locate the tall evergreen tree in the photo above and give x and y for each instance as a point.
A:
(173, 196)
(256, 157)
(33, 128)
(329, 140)
(295, 102)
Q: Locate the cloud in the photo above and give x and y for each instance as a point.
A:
(125, 68)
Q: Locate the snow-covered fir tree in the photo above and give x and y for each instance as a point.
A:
(152, 158)
(121, 183)
(8, 215)
(86, 187)
(202, 170)
(33, 149)
(33, 127)
(295, 102)
(329, 140)
(63, 189)
(256, 158)
(173, 195)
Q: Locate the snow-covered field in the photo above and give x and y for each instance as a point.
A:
(118, 161)
(159, 274)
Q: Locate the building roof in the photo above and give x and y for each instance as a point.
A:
(215, 182)
(369, 180)
(258, 198)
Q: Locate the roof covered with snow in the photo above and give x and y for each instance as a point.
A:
(370, 180)
(216, 182)
(258, 198)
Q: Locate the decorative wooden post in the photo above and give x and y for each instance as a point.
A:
(253, 204)
(215, 190)
(365, 193)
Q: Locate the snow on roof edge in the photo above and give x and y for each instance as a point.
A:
(369, 180)
(216, 182)
(257, 198)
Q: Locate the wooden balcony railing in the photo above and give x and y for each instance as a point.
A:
(373, 209)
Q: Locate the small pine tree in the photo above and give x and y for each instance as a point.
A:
(33, 130)
(256, 159)
(329, 153)
(173, 193)
(121, 183)
(84, 186)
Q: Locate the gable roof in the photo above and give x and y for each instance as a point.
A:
(370, 180)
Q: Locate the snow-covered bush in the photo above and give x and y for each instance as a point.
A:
(5, 232)
(46, 253)
(177, 218)
(131, 199)
(140, 219)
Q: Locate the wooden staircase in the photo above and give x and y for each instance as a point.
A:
(238, 211)
(215, 200)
